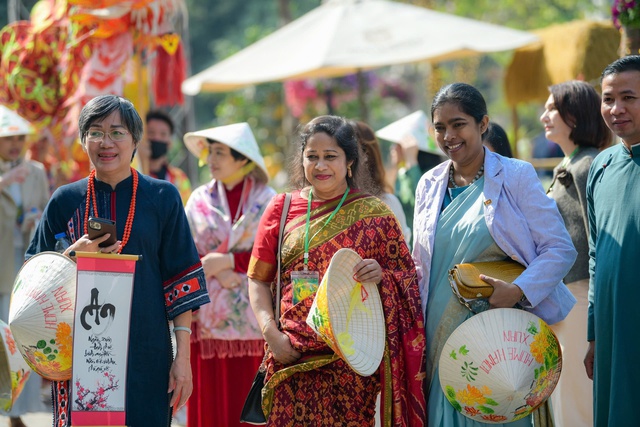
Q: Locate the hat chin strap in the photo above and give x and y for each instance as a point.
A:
(240, 173)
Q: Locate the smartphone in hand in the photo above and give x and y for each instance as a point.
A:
(98, 227)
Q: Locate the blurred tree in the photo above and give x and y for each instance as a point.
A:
(520, 14)
(239, 24)
(262, 106)
(224, 27)
(487, 73)
(220, 31)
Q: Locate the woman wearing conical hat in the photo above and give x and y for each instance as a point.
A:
(223, 215)
(24, 192)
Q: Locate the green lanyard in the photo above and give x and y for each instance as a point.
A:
(306, 228)
(568, 158)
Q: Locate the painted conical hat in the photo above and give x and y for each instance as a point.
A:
(42, 312)
(14, 371)
(500, 365)
(348, 315)
(410, 130)
(237, 136)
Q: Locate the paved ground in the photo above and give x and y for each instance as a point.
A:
(41, 419)
(45, 419)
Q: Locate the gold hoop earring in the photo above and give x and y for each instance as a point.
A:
(349, 171)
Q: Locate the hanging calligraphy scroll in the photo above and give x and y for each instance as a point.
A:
(101, 338)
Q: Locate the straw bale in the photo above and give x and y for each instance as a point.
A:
(575, 50)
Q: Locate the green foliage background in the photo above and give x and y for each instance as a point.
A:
(220, 29)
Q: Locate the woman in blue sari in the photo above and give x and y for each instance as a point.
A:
(480, 206)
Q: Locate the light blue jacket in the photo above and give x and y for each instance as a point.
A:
(522, 220)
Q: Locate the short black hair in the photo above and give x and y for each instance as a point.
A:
(160, 115)
(101, 106)
(626, 63)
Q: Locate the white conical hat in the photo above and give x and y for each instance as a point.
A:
(500, 365)
(348, 315)
(12, 124)
(237, 136)
(41, 314)
(14, 371)
(410, 131)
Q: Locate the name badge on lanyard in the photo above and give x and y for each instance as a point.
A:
(305, 283)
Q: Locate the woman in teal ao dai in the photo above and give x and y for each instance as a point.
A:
(480, 206)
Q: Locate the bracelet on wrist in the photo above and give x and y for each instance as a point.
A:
(181, 328)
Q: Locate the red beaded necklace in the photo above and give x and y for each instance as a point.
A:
(91, 197)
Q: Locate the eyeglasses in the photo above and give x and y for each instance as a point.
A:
(98, 135)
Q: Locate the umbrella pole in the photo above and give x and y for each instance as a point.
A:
(362, 94)
(328, 96)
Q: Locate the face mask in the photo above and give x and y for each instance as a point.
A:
(158, 149)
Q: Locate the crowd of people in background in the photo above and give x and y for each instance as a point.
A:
(454, 196)
(24, 193)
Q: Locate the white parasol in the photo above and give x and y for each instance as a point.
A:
(500, 365)
(41, 314)
(348, 315)
(14, 371)
(345, 36)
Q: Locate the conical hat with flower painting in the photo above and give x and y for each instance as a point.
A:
(348, 315)
(42, 312)
(500, 365)
(14, 371)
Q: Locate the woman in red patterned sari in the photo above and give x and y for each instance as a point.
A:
(306, 383)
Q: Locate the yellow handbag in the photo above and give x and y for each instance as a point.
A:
(465, 278)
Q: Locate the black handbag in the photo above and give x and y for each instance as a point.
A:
(252, 410)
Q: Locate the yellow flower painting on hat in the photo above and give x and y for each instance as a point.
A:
(52, 358)
(500, 365)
